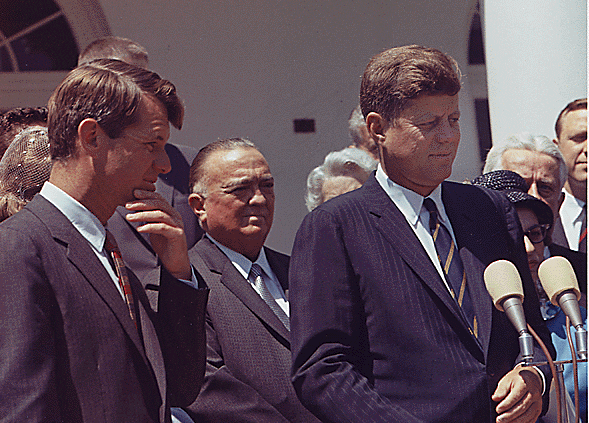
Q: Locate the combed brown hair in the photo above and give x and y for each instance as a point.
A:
(400, 74)
(110, 92)
(197, 178)
(578, 104)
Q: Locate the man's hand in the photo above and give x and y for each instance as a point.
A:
(519, 394)
(165, 228)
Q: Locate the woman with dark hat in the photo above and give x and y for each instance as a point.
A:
(536, 219)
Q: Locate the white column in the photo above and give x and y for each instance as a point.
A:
(536, 57)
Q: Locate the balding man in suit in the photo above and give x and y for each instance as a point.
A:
(248, 342)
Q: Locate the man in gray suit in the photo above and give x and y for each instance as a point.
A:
(136, 248)
(247, 376)
(79, 341)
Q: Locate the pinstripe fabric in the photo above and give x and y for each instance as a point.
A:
(376, 336)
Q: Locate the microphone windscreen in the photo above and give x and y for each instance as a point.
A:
(557, 275)
(503, 281)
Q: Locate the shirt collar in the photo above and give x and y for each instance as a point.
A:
(571, 208)
(409, 202)
(241, 262)
(83, 220)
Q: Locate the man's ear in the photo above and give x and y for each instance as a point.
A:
(377, 126)
(88, 131)
(197, 204)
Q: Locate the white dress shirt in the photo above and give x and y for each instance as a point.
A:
(411, 206)
(243, 266)
(571, 217)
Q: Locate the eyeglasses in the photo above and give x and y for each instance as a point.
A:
(537, 233)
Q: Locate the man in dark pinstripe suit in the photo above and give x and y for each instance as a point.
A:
(377, 334)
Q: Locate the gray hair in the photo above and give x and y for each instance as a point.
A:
(355, 123)
(352, 162)
(526, 141)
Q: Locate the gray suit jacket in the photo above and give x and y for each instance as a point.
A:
(248, 349)
(70, 352)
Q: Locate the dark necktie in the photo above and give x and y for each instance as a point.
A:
(583, 236)
(256, 276)
(110, 245)
(451, 264)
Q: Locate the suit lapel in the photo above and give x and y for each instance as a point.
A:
(81, 255)
(219, 265)
(394, 227)
(558, 235)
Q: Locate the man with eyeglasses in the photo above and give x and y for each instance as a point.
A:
(536, 219)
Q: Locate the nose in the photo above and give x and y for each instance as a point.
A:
(529, 246)
(258, 198)
(533, 190)
(447, 133)
(162, 162)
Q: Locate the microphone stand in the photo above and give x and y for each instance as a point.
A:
(575, 367)
(557, 374)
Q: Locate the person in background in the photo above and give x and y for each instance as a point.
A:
(536, 219)
(15, 120)
(538, 160)
(24, 168)
(341, 171)
(571, 139)
(359, 134)
(112, 47)
(390, 317)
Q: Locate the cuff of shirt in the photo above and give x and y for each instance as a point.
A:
(193, 282)
(541, 376)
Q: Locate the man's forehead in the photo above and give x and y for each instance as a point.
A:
(233, 166)
(575, 120)
(526, 161)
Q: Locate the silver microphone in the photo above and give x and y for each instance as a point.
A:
(560, 283)
(505, 287)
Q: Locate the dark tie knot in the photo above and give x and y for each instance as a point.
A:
(110, 243)
(430, 206)
(255, 270)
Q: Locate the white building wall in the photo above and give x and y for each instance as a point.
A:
(536, 62)
(248, 68)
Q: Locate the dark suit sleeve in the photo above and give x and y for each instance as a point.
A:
(28, 390)
(328, 330)
(224, 398)
(181, 314)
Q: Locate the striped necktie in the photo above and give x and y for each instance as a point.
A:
(257, 278)
(451, 264)
(110, 245)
